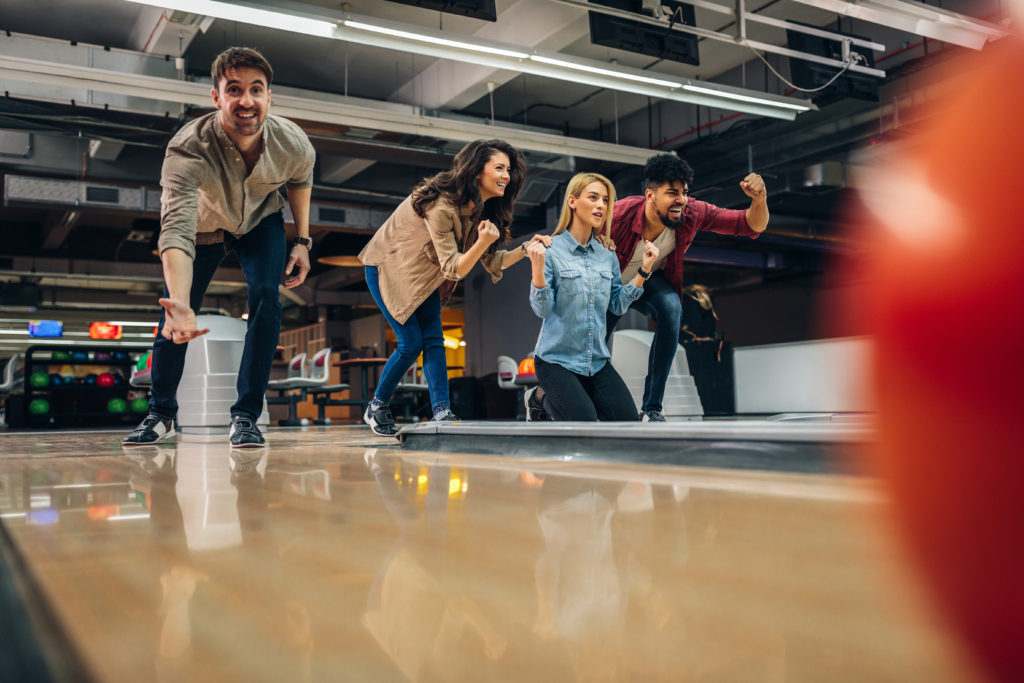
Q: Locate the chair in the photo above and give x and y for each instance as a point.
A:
(408, 391)
(322, 393)
(297, 380)
(507, 369)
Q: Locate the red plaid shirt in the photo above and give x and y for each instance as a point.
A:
(628, 227)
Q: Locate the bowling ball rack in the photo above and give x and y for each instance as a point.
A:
(87, 386)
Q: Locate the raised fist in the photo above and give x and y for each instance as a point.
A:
(753, 186)
(650, 255)
(535, 251)
(488, 232)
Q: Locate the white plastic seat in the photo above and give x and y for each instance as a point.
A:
(507, 370)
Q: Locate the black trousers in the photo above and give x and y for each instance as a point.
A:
(568, 396)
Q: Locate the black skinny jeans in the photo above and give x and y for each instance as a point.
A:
(571, 397)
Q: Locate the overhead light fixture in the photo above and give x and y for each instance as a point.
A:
(402, 37)
(745, 98)
(917, 18)
(249, 15)
(434, 40)
(605, 72)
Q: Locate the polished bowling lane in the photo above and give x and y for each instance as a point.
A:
(333, 555)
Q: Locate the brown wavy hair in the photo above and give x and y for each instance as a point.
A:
(239, 58)
(459, 187)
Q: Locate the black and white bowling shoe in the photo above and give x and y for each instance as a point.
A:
(652, 416)
(534, 410)
(244, 433)
(380, 420)
(150, 430)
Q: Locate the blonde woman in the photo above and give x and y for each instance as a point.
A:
(576, 282)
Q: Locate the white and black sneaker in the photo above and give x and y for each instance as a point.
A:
(244, 433)
(149, 431)
(652, 416)
(446, 415)
(534, 410)
(380, 420)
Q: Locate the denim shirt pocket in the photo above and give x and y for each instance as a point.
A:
(570, 282)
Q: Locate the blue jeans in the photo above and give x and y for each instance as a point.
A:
(421, 332)
(660, 302)
(261, 253)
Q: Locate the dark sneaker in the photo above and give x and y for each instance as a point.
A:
(244, 433)
(652, 416)
(149, 431)
(534, 410)
(446, 415)
(380, 420)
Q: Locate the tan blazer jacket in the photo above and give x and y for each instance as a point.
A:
(415, 256)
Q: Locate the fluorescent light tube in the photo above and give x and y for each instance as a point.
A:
(605, 72)
(435, 40)
(744, 98)
(248, 15)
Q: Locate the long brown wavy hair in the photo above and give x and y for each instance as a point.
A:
(459, 186)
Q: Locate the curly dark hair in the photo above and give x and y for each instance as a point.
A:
(665, 168)
(239, 58)
(459, 186)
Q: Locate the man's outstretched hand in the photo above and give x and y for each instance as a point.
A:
(180, 322)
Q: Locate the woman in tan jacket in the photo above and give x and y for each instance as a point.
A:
(431, 241)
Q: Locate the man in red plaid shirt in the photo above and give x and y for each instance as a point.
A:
(666, 216)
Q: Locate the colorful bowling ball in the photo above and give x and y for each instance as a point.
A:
(116, 405)
(39, 406)
(118, 379)
(104, 379)
(79, 356)
(60, 355)
(139, 405)
(120, 355)
(526, 367)
(948, 400)
(56, 380)
(90, 378)
(103, 356)
(39, 379)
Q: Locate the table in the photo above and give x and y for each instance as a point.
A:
(364, 365)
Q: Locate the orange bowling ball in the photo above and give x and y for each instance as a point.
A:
(526, 367)
(946, 306)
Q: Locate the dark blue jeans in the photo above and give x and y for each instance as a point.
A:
(660, 302)
(262, 253)
(421, 332)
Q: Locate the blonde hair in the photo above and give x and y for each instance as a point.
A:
(577, 184)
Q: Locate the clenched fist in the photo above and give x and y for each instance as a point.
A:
(650, 255)
(753, 186)
(488, 232)
(535, 251)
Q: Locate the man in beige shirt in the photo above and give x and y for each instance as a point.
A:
(220, 181)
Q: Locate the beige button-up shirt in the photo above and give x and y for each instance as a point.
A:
(206, 189)
(415, 255)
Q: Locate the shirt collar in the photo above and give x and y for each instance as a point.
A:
(573, 245)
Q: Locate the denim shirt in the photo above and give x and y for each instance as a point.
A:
(583, 284)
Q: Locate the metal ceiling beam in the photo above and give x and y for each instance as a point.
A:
(290, 106)
(726, 37)
(411, 38)
(917, 18)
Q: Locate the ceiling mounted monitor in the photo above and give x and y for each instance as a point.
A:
(636, 36)
(478, 9)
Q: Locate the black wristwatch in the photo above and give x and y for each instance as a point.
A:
(307, 242)
(643, 273)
